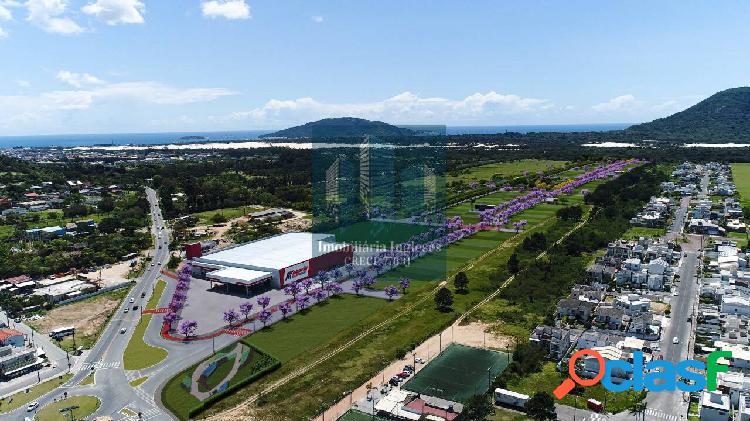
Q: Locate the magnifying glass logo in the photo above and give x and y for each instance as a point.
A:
(568, 385)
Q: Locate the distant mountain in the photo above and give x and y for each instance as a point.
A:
(341, 127)
(724, 116)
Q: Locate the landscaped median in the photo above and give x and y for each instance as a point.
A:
(81, 408)
(22, 398)
(138, 354)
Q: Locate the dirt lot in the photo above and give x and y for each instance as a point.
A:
(87, 316)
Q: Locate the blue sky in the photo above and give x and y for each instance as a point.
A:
(99, 66)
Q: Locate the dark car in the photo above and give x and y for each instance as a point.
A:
(394, 381)
(135, 307)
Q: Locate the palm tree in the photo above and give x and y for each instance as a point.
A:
(638, 408)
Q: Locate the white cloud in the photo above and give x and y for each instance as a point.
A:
(317, 19)
(48, 15)
(78, 79)
(23, 83)
(5, 13)
(47, 110)
(116, 12)
(3, 33)
(402, 108)
(619, 103)
(229, 9)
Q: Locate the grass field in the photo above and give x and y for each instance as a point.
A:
(375, 232)
(741, 175)
(138, 354)
(22, 398)
(636, 232)
(87, 405)
(549, 378)
(303, 332)
(204, 218)
(505, 169)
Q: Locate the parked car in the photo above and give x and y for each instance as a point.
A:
(394, 381)
(403, 375)
(408, 369)
(419, 360)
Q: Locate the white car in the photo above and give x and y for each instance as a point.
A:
(675, 340)
(32, 406)
(676, 293)
(123, 330)
(132, 300)
(126, 310)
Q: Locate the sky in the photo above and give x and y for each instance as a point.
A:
(111, 66)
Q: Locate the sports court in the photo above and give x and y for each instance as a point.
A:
(459, 373)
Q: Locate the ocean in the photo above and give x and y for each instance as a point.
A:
(176, 137)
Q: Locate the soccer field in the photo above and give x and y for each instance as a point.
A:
(459, 373)
(741, 174)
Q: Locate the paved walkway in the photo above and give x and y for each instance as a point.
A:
(237, 352)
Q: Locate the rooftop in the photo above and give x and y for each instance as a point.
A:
(276, 252)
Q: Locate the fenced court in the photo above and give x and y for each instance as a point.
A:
(459, 373)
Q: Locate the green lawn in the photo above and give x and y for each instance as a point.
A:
(741, 175)
(87, 405)
(376, 232)
(506, 169)
(636, 232)
(87, 380)
(138, 354)
(6, 231)
(217, 376)
(22, 398)
(303, 332)
(137, 382)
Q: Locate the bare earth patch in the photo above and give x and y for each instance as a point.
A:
(86, 316)
(480, 335)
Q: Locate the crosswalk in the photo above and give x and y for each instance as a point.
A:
(145, 415)
(99, 365)
(595, 417)
(655, 413)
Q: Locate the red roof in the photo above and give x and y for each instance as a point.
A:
(17, 280)
(422, 407)
(7, 333)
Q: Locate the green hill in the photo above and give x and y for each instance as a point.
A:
(341, 127)
(724, 116)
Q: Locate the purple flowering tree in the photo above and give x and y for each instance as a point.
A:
(319, 295)
(231, 316)
(246, 308)
(391, 291)
(285, 309)
(302, 302)
(188, 327)
(170, 318)
(357, 286)
(349, 268)
(264, 316)
(307, 283)
(404, 284)
(263, 301)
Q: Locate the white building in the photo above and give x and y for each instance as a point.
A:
(714, 406)
(277, 260)
(735, 304)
